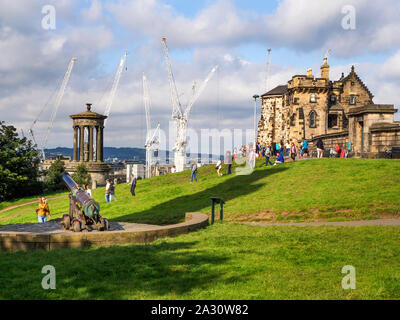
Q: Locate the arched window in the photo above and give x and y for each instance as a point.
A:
(313, 122)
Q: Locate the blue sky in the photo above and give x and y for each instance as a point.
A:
(235, 34)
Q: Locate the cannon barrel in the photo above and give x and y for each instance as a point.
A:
(81, 196)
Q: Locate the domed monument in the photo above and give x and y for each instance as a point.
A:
(88, 145)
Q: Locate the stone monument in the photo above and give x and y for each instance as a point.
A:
(88, 145)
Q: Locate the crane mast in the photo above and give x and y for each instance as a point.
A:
(152, 141)
(181, 119)
(115, 86)
(176, 105)
(56, 106)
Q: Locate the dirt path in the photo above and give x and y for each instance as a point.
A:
(377, 222)
(26, 203)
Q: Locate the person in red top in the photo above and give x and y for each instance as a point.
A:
(336, 151)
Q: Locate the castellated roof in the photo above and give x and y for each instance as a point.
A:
(279, 90)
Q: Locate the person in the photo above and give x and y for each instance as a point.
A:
(252, 157)
(305, 148)
(277, 149)
(263, 149)
(88, 190)
(43, 210)
(273, 149)
(267, 155)
(133, 184)
(112, 191)
(194, 171)
(320, 148)
(235, 153)
(287, 148)
(279, 158)
(335, 152)
(107, 195)
(293, 151)
(228, 162)
(218, 167)
(173, 169)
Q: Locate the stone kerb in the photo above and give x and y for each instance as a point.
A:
(129, 233)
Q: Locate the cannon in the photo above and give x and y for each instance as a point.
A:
(84, 212)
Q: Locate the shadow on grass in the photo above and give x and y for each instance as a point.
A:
(173, 211)
(118, 272)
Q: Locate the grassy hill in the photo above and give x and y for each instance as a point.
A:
(324, 189)
(232, 261)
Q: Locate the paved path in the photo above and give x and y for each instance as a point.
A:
(29, 202)
(377, 222)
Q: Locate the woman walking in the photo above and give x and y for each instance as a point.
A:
(293, 152)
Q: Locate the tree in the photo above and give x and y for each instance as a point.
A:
(53, 181)
(82, 176)
(19, 165)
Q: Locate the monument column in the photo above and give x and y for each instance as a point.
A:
(98, 147)
(90, 143)
(101, 143)
(81, 143)
(75, 155)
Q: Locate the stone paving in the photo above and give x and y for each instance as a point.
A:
(54, 226)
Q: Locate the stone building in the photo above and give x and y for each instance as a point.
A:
(338, 111)
(88, 145)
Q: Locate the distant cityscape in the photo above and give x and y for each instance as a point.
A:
(114, 155)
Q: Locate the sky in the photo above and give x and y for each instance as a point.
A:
(233, 34)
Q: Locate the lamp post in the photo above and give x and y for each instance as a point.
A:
(256, 96)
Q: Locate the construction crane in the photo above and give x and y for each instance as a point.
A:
(181, 118)
(267, 70)
(56, 106)
(115, 86)
(152, 138)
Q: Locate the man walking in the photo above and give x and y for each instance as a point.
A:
(228, 161)
(133, 184)
(267, 155)
(194, 171)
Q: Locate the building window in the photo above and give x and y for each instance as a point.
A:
(312, 97)
(295, 100)
(332, 120)
(345, 122)
(333, 98)
(313, 123)
(352, 99)
(292, 119)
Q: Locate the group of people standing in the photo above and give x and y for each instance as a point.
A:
(282, 150)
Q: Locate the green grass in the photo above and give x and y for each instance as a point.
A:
(223, 261)
(323, 189)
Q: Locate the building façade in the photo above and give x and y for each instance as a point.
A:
(339, 111)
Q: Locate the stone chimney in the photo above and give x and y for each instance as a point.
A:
(309, 73)
(325, 70)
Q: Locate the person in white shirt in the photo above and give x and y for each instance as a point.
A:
(107, 195)
(218, 167)
(88, 190)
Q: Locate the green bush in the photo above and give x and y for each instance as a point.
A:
(19, 165)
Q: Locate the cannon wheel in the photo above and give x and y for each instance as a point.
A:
(66, 222)
(104, 224)
(76, 226)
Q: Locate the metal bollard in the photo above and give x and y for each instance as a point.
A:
(221, 208)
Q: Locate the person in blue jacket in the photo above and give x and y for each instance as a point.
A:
(279, 159)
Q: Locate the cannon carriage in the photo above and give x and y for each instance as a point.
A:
(84, 212)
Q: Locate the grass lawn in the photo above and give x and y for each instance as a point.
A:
(223, 261)
(320, 189)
